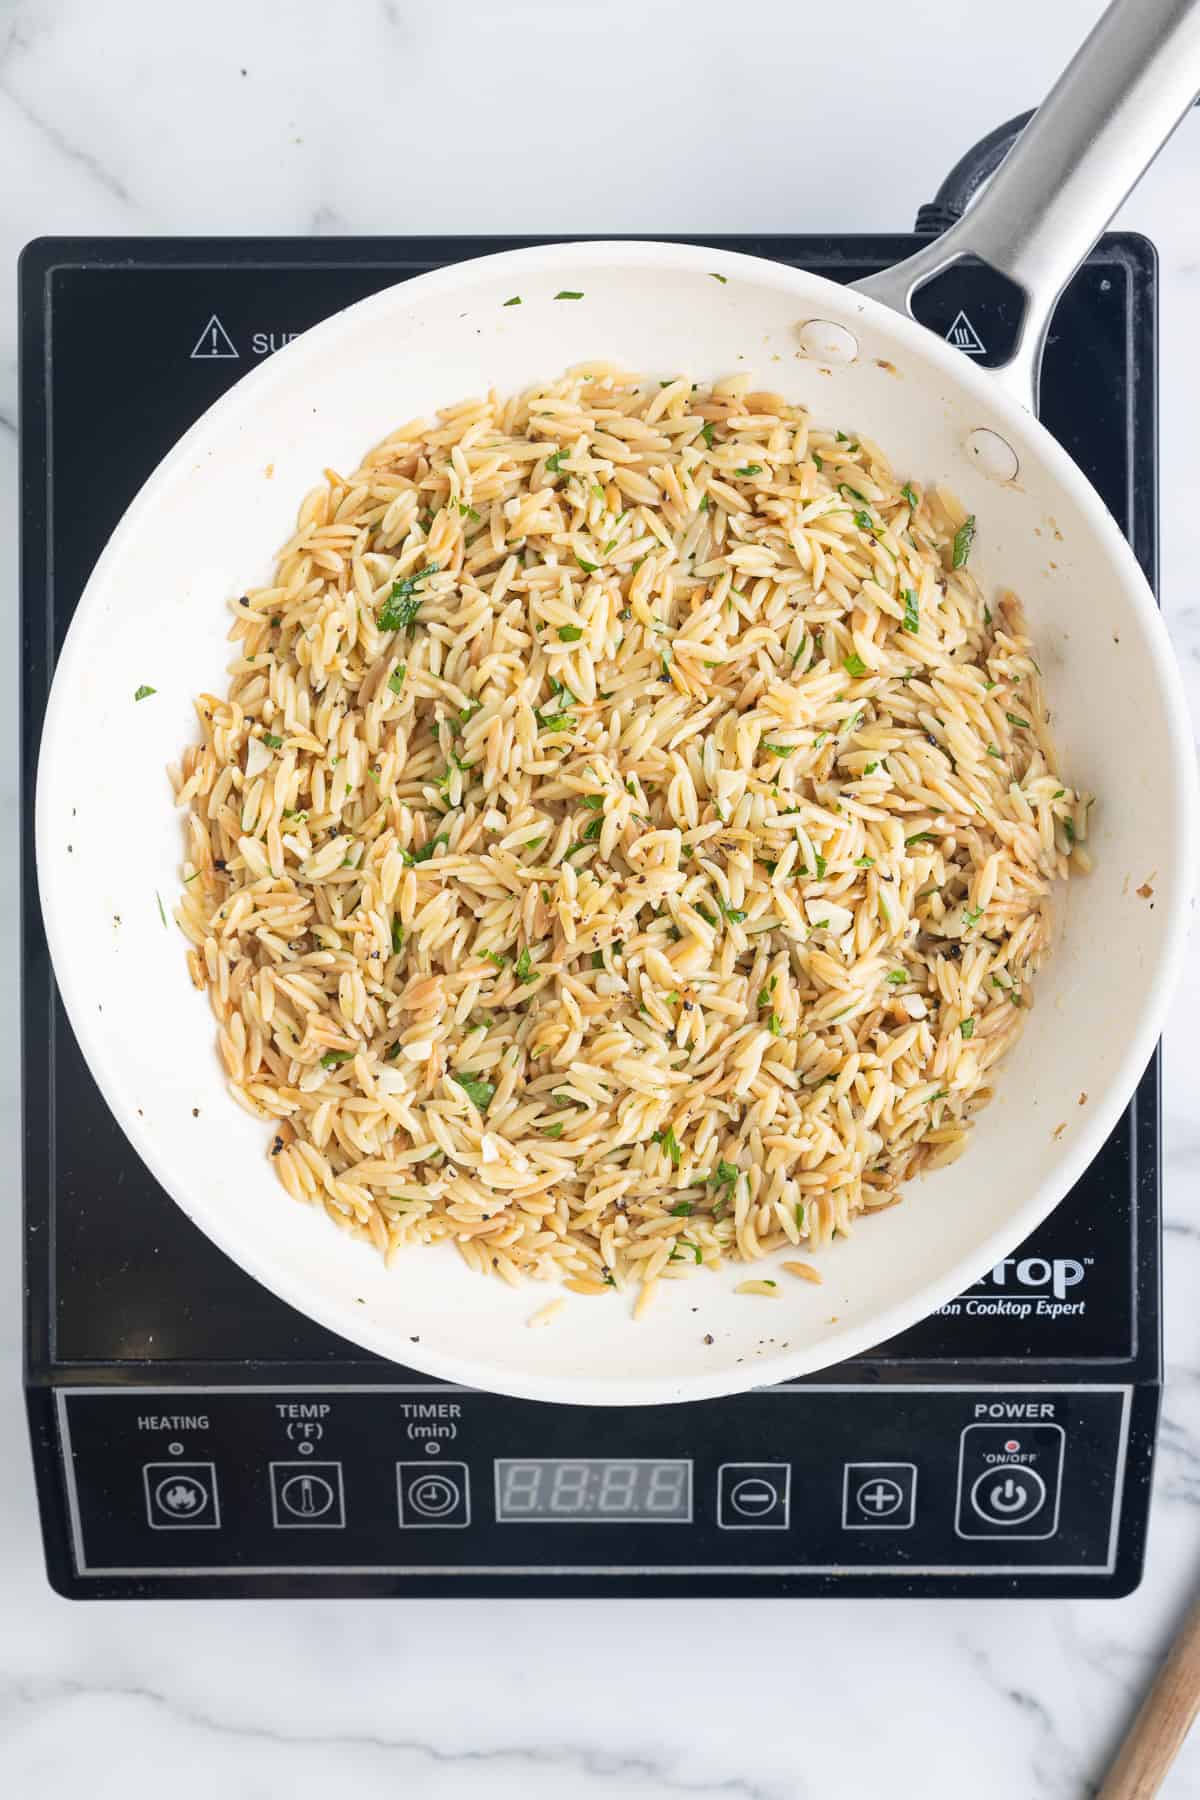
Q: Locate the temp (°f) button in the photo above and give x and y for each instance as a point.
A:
(307, 1494)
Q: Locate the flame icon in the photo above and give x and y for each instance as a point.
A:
(181, 1496)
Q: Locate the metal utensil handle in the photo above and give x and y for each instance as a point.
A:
(1099, 128)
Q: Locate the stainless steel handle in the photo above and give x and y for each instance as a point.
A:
(1097, 131)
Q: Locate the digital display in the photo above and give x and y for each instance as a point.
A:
(593, 1490)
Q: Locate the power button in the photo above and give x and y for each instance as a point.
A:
(1009, 1478)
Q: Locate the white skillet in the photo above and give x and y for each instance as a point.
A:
(210, 518)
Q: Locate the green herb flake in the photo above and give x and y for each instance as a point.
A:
(910, 497)
(497, 961)
(854, 665)
(897, 977)
(822, 865)
(396, 679)
(553, 1131)
(726, 1175)
(993, 750)
(734, 914)
(271, 741)
(919, 837)
(967, 1028)
(972, 914)
(682, 1209)
(707, 433)
(587, 567)
(480, 1093)
(570, 634)
(864, 862)
(524, 970)
(964, 537)
(749, 469)
(144, 692)
(912, 611)
(1023, 724)
(161, 911)
(404, 602)
(670, 1143)
(332, 1058)
(568, 294)
(515, 301)
(397, 937)
(721, 278)
(779, 749)
(818, 462)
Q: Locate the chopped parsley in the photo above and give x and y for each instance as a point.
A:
(972, 914)
(726, 1175)
(818, 462)
(912, 611)
(1022, 723)
(854, 665)
(964, 537)
(800, 1214)
(864, 862)
(404, 602)
(467, 714)
(822, 865)
(524, 970)
(683, 1209)
(764, 993)
(707, 433)
(332, 1058)
(749, 469)
(919, 837)
(774, 1026)
(144, 692)
(570, 634)
(480, 1093)
(559, 721)
(396, 679)
(779, 749)
(721, 278)
(993, 750)
(161, 913)
(910, 497)
(553, 1131)
(568, 294)
(397, 937)
(670, 1143)
(497, 961)
(515, 301)
(734, 914)
(897, 977)
(555, 462)
(587, 567)
(967, 1028)
(426, 851)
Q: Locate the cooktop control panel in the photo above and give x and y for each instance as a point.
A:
(412, 1480)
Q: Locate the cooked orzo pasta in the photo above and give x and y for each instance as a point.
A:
(627, 838)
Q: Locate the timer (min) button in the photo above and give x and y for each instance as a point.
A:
(433, 1497)
(753, 1496)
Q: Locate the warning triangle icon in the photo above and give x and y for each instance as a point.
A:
(963, 335)
(214, 342)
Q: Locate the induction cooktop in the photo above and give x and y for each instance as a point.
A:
(193, 1436)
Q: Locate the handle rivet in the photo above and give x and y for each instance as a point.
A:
(994, 455)
(826, 342)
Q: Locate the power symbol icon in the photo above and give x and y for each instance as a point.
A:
(1008, 1497)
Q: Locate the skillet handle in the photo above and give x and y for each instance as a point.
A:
(1102, 124)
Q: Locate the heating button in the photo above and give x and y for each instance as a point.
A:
(1009, 1477)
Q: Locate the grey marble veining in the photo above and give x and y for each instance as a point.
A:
(390, 116)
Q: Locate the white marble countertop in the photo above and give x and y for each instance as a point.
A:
(392, 116)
